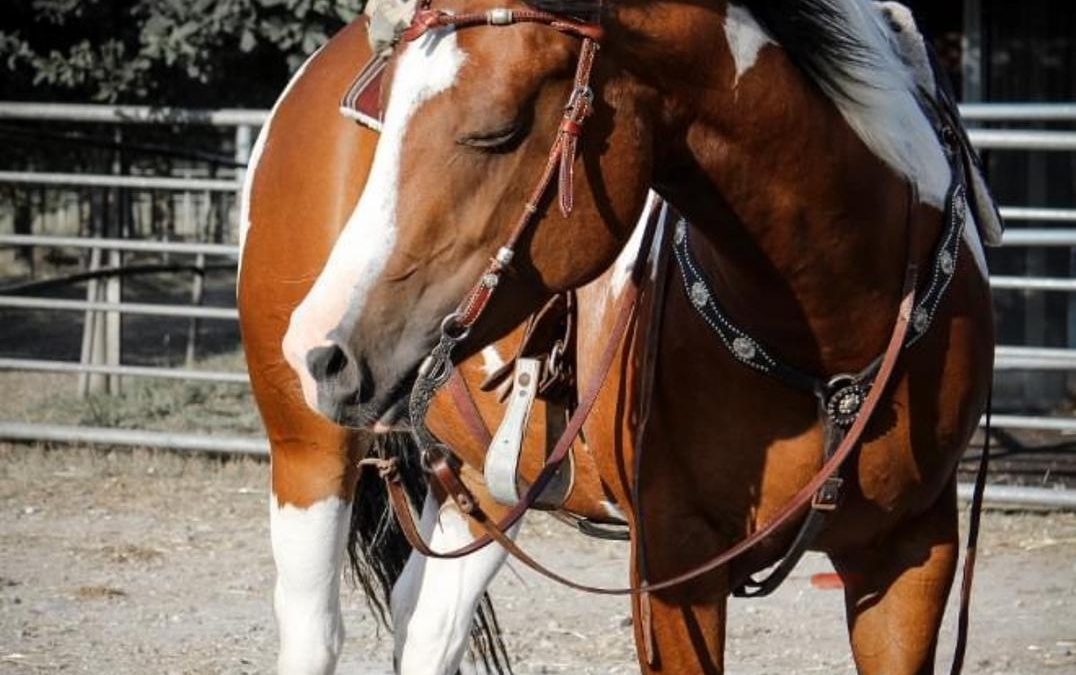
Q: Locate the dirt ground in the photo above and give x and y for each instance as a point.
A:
(139, 562)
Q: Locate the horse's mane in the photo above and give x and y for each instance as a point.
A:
(378, 550)
(844, 47)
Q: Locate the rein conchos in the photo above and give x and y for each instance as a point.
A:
(847, 403)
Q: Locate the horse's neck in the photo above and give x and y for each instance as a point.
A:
(804, 230)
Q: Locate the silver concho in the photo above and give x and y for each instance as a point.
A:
(744, 348)
(946, 262)
(700, 295)
(844, 404)
(681, 232)
(920, 320)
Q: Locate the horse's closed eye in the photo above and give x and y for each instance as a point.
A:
(499, 140)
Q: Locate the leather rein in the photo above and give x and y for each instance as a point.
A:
(437, 369)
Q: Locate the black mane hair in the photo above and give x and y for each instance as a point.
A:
(817, 38)
(377, 550)
(814, 33)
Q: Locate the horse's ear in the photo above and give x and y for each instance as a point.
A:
(362, 101)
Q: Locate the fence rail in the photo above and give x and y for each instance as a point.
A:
(133, 245)
(148, 309)
(222, 377)
(129, 182)
(130, 114)
(1008, 357)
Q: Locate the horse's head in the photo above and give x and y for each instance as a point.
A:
(470, 115)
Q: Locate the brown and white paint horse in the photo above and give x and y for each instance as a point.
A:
(798, 187)
(307, 171)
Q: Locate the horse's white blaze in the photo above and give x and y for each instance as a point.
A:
(434, 601)
(255, 158)
(308, 549)
(746, 39)
(881, 105)
(426, 68)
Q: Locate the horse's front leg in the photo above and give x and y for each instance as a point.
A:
(681, 630)
(310, 512)
(434, 601)
(895, 591)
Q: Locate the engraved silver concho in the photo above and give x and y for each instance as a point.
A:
(700, 295)
(681, 233)
(844, 404)
(946, 262)
(744, 348)
(920, 320)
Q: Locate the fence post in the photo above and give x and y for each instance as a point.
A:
(115, 226)
(89, 383)
(243, 139)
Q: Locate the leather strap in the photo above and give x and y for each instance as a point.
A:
(426, 19)
(968, 573)
(468, 410)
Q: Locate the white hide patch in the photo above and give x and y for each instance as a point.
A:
(256, 155)
(491, 360)
(625, 262)
(426, 68)
(881, 105)
(613, 511)
(434, 601)
(746, 39)
(308, 549)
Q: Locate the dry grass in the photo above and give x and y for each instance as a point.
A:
(164, 405)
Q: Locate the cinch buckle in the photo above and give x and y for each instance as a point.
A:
(828, 496)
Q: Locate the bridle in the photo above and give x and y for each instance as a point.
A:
(437, 368)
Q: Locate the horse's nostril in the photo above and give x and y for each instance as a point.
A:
(326, 363)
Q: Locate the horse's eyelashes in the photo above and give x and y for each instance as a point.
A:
(499, 140)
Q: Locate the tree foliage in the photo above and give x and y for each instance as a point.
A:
(211, 53)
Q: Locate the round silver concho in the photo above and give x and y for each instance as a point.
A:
(844, 404)
(946, 262)
(920, 320)
(700, 295)
(744, 348)
(681, 233)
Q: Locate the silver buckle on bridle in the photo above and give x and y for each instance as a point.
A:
(500, 16)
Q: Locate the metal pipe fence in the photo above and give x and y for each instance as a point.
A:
(1008, 357)
(40, 365)
(148, 309)
(112, 181)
